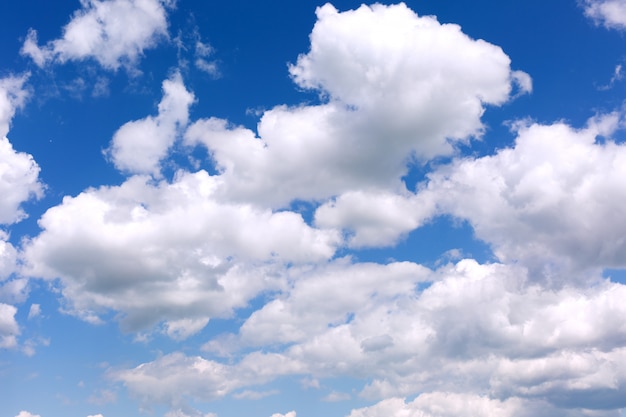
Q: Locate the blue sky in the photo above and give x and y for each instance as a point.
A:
(283, 209)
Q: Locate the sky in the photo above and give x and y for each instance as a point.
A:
(302, 209)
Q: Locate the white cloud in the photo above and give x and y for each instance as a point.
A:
(113, 32)
(618, 75)
(336, 396)
(29, 346)
(254, 395)
(102, 397)
(312, 305)
(483, 335)
(397, 87)
(138, 146)
(8, 257)
(164, 380)
(553, 201)
(14, 290)
(19, 182)
(35, 311)
(610, 13)
(18, 171)
(167, 251)
(13, 96)
(375, 218)
(468, 339)
(27, 414)
(9, 329)
(202, 52)
(442, 405)
(183, 328)
(188, 412)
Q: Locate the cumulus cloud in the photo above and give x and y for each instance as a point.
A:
(188, 412)
(138, 146)
(442, 405)
(466, 339)
(289, 414)
(113, 32)
(8, 257)
(18, 171)
(19, 182)
(610, 13)
(311, 307)
(164, 380)
(396, 88)
(551, 202)
(13, 95)
(167, 251)
(375, 218)
(480, 335)
(9, 329)
(27, 414)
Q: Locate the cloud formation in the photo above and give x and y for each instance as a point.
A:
(610, 13)
(19, 173)
(550, 202)
(389, 98)
(9, 329)
(537, 332)
(172, 245)
(476, 329)
(113, 32)
(139, 146)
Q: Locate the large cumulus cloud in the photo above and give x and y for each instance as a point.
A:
(552, 201)
(483, 333)
(396, 88)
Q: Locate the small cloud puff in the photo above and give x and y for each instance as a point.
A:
(609, 13)
(114, 33)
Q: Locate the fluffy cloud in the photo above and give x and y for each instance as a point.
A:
(480, 335)
(13, 96)
(138, 146)
(442, 405)
(18, 171)
(167, 251)
(375, 218)
(27, 414)
(113, 32)
(9, 330)
(311, 307)
(19, 181)
(552, 201)
(8, 257)
(176, 377)
(188, 412)
(397, 87)
(468, 339)
(610, 13)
